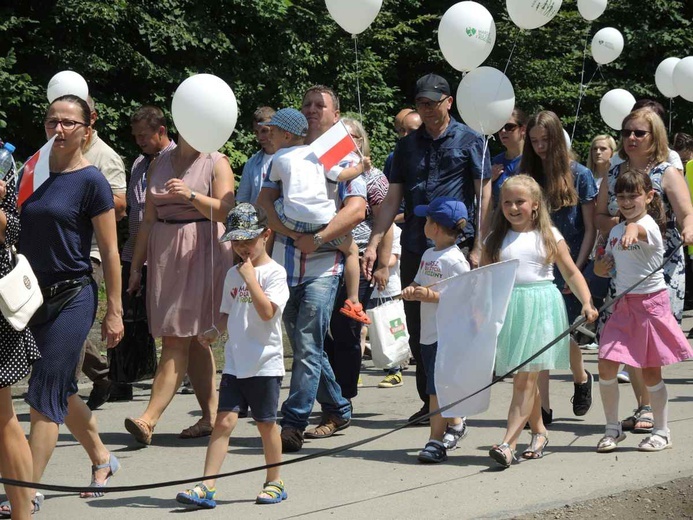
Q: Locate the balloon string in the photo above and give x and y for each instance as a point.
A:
(581, 92)
(671, 107)
(481, 191)
(358, 74)
(507, 63)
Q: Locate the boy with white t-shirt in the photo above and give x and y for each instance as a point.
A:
(446, 217)
(305, 206)
(255, 293)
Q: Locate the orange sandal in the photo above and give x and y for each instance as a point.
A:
(355, 312)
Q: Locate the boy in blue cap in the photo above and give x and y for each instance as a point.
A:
(446, 217)
(305, 206)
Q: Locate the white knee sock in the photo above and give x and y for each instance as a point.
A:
(608, 389)
(659, 398)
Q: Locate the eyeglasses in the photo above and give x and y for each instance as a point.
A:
(429, 104)
(626, 133)
(509, 127)
(67, 124)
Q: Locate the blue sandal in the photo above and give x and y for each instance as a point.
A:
(275, 491)
(36, 504)
(113, 466)
(200, 496)
(433, 452)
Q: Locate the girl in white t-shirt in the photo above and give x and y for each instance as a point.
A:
(521, 229)
(642, 331)
(255, 293)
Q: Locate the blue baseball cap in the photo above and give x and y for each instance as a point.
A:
(290, 120)
(445, 211)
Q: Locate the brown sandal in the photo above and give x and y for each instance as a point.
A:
(141, 430)
(327, 428)
(197, 430)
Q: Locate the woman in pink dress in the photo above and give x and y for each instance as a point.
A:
(188, 194)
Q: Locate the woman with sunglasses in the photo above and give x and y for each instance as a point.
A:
(506, 164)
(644, 147)
(57, 224)
(570, 192)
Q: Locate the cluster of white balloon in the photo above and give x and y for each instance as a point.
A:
(205, 110)
(467, 35)
(674, 77)
(204, 107)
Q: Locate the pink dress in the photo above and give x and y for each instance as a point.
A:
(186, 264)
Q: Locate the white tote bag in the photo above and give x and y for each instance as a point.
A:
(389, 334)
(20, 294)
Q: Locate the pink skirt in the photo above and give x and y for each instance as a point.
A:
(642, 332)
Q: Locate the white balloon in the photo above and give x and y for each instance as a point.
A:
(530, 14)
(354, 16)
(683, 78)
(615, 106)
(485, 100)
(466, 35)
(591, 9)
(567, 139)
(204, 111)
(67, 82)
(607, 45)
(664, 77)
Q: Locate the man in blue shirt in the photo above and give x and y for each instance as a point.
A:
(255, 169)
(442, 158)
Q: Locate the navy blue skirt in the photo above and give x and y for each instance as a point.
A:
(53, 377)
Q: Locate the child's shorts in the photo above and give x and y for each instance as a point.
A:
(428, 356)
(304, 227)
(260, 393)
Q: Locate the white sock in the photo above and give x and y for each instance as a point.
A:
(659, 398)
(457, 427)
(608, 389)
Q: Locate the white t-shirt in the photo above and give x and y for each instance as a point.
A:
(528, 247)
(434, 267)
(254, 347)
(639, 260)
(394, 282)
(674, 159)
(304, 185)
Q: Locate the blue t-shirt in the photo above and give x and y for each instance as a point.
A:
(430, 168)
(569, 220)
(56, 223)
(510, 168)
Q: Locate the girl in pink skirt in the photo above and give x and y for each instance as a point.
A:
(642, 332)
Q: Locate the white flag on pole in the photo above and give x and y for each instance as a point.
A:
(470, 315)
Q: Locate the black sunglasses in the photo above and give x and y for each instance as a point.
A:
(509, 127)
(626, 133)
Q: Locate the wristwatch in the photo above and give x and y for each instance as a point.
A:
(192, 196)
(317, 240)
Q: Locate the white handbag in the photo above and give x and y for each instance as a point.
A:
(20, 294)
(388, 334)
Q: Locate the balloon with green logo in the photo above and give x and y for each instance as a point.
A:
(466, 35)
(530, 14)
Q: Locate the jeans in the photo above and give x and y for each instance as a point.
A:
(409, 266)
(306, 319)
(343, 343)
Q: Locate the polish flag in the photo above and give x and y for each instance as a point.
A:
(334, 145)
(35, 172)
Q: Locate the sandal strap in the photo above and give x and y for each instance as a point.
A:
(273, 489)
(200, 491)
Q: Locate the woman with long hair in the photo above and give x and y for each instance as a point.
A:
(570, 192)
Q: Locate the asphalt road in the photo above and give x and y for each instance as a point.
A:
(381, 479)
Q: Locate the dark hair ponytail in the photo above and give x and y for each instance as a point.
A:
(639, 182)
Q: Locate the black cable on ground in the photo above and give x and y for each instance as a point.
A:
(331, 451)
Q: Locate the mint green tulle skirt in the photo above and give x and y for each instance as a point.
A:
(536, 315)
